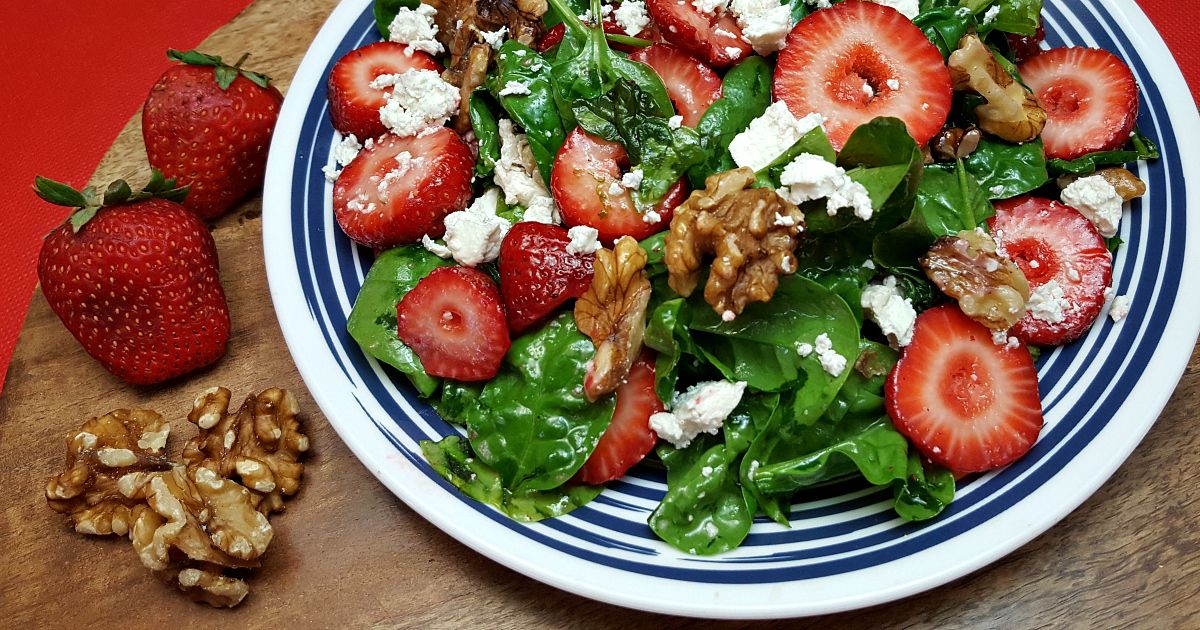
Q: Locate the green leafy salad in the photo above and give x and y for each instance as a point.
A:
(800, 422)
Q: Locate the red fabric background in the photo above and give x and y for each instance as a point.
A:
(77, 71)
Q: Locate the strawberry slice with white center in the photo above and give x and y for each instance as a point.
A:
(965, 402)
(1052, 242)
(1090, 96)
(586, 185)
(353, 103)
(628, 437)
(400, 189)
(691, 85)
(858, 60)
(714, 38)
(454, 320)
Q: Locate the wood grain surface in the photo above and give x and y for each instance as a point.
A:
(348, 554)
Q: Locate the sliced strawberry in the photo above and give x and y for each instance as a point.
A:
(1024, 46)
(537, 275)
(1090, 96)
(384, 198)
(1052, 241)
(714, 38)
(859, 60)
(353, 103)
(454, 320)
(553, 36)
(582, 182)
(691, 85)
(629, 437)
(965, 402)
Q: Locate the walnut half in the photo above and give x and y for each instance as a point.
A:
(989, 287)
(751, 233)
(613, 314)
(1012, 111)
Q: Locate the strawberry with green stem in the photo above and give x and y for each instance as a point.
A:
(134, 277)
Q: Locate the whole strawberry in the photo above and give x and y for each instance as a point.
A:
(134, 278)
(207, 125)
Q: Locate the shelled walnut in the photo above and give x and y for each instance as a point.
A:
(188, 524)
(989, 287)
(751, 233)
(613, 314)
(954, 142)
(1012, 111)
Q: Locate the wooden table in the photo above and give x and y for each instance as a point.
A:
(347, 553)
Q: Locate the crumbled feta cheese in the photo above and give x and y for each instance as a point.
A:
(709, 6)
(605, 10)
(869, 264)
(784, 221)
(420, 100)
(517, 172)
(474, 235)
(651, 217)
(343, 154)
(769, 135)
(542, 210)
(990, 15)
(404, 163)
(868, 90)
(728, 316)
(357, 204)
(734, 52)
(804, 349)
(810, 177)
(996, 190)
(435, 248)
(631, 16)
(1048, 303)
(675, 122)
(1120, 308)
(832, 362)
(494, 38)
(615, 188)
(886, 305)
(824, 4)
(1097, 200)
(584, 240)
(633, 179)
(701, 409)
(765, 23)
(893, 84)
(515, 88)
(706, 471)
(907, 8)
(1073, 273)
(417, 29)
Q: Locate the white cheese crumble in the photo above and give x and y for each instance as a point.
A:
(810, 177)
(584, 240)
(474, 235)
(710, 6)
(804, 349)
(990, 15)
(1097, 200)
(765, 23)
(436, 248)
(517, 173)
(893, 84)
(832, 362)
(1001, 338)
(633, 179)
(997, 190)
(515, 88)
(419, 100)
(868, 90)
(417, 29)
(907, 8)
(886, 305)
(675, 122)
(494, 38)
(651, 217)
(868, 264)
(1048, 303)
(1120, 308)
(343, 154)
(404, 163)
(734, 52)
(631, 16)
(541, 210)
(701, 409)
(769, 135)
(615, 188)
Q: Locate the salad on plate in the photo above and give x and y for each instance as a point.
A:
(768, 246)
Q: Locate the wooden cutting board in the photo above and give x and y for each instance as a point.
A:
(347, 553)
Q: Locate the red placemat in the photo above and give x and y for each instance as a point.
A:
(85, 67)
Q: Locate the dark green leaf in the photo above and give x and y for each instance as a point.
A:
(1143, 149)
(225, 76)
(82, 216)
(704, 512)
(924, 491)
(948, 201)
(487, 132)
(258, 78)
(118, 192)
(1005, 170)
(745, 95)
(537, 112)
(1018, 16)
(58, 193)
(193, 58)
(945, 26)
(873, 447)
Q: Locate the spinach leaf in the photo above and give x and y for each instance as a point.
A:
(454, 460)
(866, 443)
(552, 17)
(704, 511)
(762, 345)
(372, 322)
(667, 333)
(863, 393)
(799, 9)
(628, 115)
(1006, 170)
(745, 95)
(532, 422)
(537, 112)
(814, 142)
(1143, 149)
(487, 132)
(839, 264)
(945, 26)
(915, 285)
(948, 201)
(1018, 16)
(387, 10)
(923, 492)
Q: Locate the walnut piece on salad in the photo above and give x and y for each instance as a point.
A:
(1012, 111)
(613, 314)
(99, 455)
(751, 233)
(260, 444)
(990, 288)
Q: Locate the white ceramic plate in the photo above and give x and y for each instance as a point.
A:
(846, 548)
